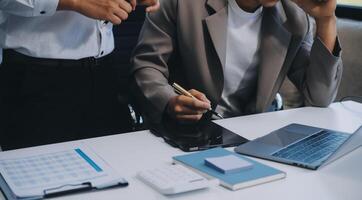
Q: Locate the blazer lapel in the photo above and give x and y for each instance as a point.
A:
(275, 39)
(217, 27)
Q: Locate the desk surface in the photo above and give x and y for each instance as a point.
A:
(133, 152)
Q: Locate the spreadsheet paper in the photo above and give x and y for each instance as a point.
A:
(30, 175)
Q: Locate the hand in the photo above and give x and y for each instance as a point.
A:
(152, 5)
(114, 11)
(184, 108)
(318, 10)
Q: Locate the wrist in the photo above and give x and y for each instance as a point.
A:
(326, 20)
(326, 25)
(327, 31)
(67, 4)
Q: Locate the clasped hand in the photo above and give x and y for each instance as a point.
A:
(318, 10)
(114, 11)
(324, 15)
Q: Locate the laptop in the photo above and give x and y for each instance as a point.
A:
(303, 146)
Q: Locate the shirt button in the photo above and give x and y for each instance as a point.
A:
(42, 12)
(102, 52)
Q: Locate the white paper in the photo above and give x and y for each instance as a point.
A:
(30, 173)
(229, 163)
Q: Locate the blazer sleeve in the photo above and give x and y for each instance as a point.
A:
(150, 73)
(315, 71)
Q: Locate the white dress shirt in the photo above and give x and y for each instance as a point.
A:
(35, 28)
(240, 73)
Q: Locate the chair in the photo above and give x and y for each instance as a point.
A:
(350, 35)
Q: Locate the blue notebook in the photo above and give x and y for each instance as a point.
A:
(258, 174)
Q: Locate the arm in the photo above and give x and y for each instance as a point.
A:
(316, 71)
(114, 11)
(150, 58)
(150, 72)
(317, 68)
(110, 10)
(324, 15)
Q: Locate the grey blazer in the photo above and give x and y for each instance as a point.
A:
(185, 42)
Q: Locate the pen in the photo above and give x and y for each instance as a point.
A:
(182, 91)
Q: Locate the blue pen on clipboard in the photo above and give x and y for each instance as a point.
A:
(88, 160)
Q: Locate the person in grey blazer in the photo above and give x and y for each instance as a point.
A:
(233, 56)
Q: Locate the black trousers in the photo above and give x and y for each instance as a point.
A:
(49, 100)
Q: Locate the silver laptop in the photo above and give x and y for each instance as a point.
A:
(303, 146)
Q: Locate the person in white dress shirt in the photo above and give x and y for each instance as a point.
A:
(57, 81)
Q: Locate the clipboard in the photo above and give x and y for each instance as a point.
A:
(103, 176)
(59, 191)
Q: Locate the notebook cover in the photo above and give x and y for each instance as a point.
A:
(260, 173)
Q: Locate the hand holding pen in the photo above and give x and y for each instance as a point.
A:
(114, 11)
(189, 105)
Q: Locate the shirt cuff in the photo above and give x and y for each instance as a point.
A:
(45, 7)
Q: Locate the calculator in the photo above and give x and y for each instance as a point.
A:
(174, 179)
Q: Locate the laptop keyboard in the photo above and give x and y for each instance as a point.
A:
(312, 148)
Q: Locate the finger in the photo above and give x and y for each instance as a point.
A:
(183, 110)
(123, 15)
(192, 103)
(114, 19)
(125, 6)
(133, 4)
(154, 7)
(193, 118)
(199, 95)
(298, 2)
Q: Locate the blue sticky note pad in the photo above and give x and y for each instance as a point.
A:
(228, 164)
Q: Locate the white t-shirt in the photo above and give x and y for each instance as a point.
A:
(240, 73)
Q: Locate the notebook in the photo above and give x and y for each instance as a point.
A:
(258, 174)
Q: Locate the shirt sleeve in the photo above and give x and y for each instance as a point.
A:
(29, 8)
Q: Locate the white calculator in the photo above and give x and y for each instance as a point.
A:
(174, 179)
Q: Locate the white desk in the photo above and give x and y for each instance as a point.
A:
(132, 152)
